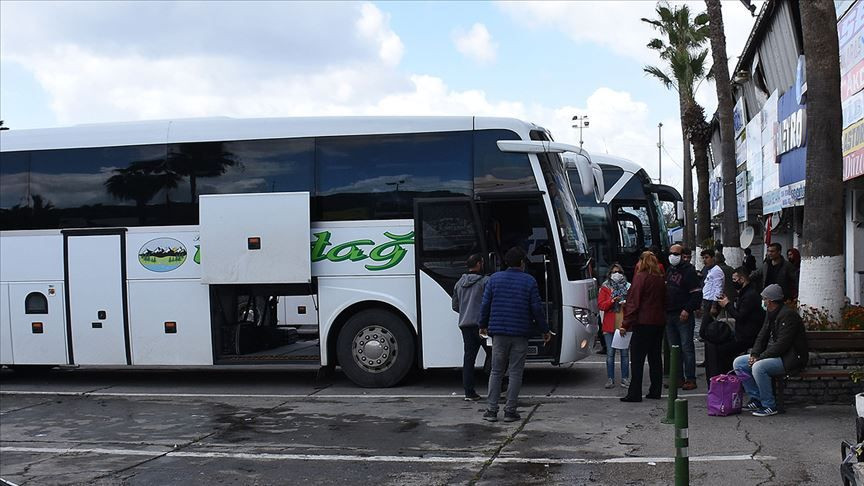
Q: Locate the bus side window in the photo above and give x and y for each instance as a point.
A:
(35, 303)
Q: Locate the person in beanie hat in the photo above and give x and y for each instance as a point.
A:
(780, 348)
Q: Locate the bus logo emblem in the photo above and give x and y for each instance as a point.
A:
(162, 255)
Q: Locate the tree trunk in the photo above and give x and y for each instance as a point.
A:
(703, 208)
(822, 282)
(689, 214)
(731, 236)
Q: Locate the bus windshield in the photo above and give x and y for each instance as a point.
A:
(573, 240)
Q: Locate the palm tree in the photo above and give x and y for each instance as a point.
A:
(140, 181)
(821, 247)
(720, 72)
(199, 160)
(682, 51)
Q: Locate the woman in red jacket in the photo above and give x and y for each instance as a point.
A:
(613, 294)
(645, 316)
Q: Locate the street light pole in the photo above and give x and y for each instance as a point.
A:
(581, 122)
(660, 152)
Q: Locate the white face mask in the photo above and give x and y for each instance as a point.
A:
(674, 260)
(617, 277)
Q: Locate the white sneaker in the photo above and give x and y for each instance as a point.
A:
(625, 383)
(610, 383)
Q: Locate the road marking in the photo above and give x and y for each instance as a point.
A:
(300, 396)
(355, 458)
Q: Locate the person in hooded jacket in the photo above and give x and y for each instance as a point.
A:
(793, 257)
(610, 300)
(467, 297)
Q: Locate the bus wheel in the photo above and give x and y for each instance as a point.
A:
(375, 349)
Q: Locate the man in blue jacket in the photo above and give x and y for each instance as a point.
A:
(510, 312)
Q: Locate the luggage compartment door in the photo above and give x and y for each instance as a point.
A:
(98, 324)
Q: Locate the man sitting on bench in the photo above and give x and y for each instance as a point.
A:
(780, 348)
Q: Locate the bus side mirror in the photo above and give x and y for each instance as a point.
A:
(679, 210)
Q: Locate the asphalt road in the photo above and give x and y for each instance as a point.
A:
(254, 426)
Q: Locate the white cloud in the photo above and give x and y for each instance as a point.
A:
(476, 44)
(618, 26)
(373, 24)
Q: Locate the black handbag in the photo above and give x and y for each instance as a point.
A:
(719, 331)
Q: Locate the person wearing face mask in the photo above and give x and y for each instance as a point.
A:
(610, 300)
(749, 316)
(683, 297)
(780, 348)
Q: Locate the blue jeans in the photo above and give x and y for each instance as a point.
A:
(681, 334)
(758, 386)
(513, 349)
(610, 358)
(472, 340)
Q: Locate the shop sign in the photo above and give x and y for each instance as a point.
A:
(853, 164)
(851, 23)
(853, 138)
(740, 150)
(852, 82)
(739, 121)
(741, 182)
(792, 195)
(852, 53)
(771, 202)
(754, 156)
(741, 199)
(853, 109)
(841, 6)
(791, 138)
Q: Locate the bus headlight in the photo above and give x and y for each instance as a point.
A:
(588, 319)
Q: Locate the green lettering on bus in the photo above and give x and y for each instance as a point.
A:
(389, 253)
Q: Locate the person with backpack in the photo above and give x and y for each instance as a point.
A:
(467, 297)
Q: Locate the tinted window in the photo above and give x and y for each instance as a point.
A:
(497, 171)
(108, 186)
(447, 237)
(150, 185)
(247, 166)
(576, 183)
(378, 177)
(610, 175)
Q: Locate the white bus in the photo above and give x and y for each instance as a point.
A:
(627, 218)
(187, 243)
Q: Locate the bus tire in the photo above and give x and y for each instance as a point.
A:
(375, 349)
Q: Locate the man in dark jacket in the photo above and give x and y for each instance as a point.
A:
(780, 347)
(749, 316)
(683, 297)
(467, 297)
(511, 312)
(775, 270)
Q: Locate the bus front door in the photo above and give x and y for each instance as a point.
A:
(96, 297)
(446, 234)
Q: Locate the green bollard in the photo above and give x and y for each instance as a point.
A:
(682, 444)
(674, 360)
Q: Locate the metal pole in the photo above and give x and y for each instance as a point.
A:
(660, 152)
(682, 444)
(674, 363)
(580, 133)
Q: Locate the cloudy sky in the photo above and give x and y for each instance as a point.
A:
(83, 62)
